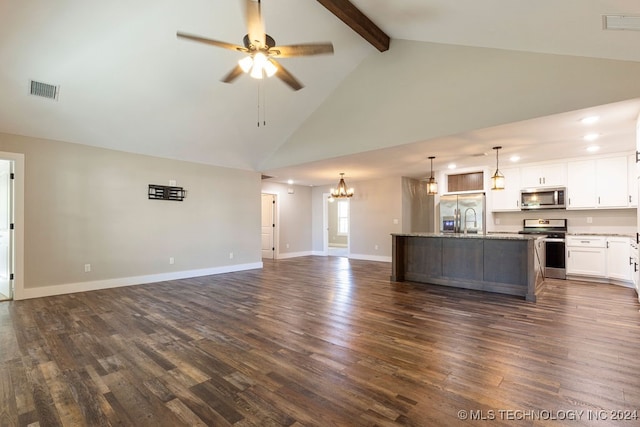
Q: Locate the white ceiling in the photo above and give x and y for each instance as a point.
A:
(127, 83)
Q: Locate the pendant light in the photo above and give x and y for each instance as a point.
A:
(342, 192)
(432, 185)
(497, 180)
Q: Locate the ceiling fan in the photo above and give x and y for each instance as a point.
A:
(261, 50)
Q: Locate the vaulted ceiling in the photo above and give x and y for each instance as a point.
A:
(127, 82)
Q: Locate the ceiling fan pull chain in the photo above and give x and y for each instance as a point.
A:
(258, 105)
(264, 103)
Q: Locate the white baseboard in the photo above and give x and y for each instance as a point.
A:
(370, 257)
(604, 280)
(70, 288)
(294, 254)
(319, 253)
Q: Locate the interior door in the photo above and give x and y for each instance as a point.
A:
(268, 226)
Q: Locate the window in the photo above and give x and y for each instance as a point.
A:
(343, 217)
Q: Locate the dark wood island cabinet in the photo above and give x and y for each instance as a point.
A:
(502, 263)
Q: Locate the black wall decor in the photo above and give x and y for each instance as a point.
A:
(165, 192)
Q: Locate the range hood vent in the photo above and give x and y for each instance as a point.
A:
(621, 22)
(44, 90)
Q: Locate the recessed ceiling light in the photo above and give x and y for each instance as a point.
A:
(590, 120)
(452, 166)
(290, 182)
(514, 158)
(593, 148)
(591, 136)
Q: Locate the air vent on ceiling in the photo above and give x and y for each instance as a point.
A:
(621, 22)
(266, 177)
(44, 90)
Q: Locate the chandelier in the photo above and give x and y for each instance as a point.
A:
(342, 192)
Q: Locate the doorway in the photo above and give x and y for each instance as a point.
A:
(268, 226)
(337, 227)
(6, 230)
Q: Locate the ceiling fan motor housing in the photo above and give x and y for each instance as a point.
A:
(270, 42)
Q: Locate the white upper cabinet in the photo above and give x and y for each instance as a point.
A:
(581, 184)
(611, 182)
(509, 198)
(600, 184)
(548, 175)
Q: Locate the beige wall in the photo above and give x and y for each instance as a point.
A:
(373, 209)
(418, 208)
(293, 218)
(416, 91)
(86, 205)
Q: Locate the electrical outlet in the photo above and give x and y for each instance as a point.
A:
(497, 221)
(171, 260)
(376, 247)
(287, 245)
(172, 182)
(589, 220)
(87, 268)
(230, 255)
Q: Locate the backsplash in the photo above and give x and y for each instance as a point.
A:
(606, 221)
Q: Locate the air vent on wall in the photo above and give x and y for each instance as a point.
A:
(44, 90)
(621, 22)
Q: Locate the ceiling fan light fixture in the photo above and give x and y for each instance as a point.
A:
(246, 63)
(259, 62)
(270, 69)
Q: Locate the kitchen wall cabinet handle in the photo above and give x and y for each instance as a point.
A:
(630, 260)
(607, 245)
(635, 267)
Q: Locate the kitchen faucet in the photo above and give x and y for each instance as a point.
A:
(475, 219)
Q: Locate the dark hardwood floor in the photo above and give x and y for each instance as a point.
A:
(320, 341)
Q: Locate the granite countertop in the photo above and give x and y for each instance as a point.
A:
(496, 236)
(631, 236)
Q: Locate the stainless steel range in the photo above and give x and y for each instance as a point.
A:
(554, 231)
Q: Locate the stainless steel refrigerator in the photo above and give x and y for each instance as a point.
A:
(463, 212)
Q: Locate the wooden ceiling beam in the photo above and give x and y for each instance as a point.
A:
(358, 21)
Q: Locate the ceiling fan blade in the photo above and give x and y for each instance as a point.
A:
(306, 49)
(211, 42)
(233, 74)
(286, 76)
(255, 25)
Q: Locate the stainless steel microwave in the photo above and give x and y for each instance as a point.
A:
(543, 198)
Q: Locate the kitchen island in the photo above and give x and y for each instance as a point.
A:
(503, 263)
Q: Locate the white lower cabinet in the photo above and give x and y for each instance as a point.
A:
(619, 260)
(587, 256)
(602, 257)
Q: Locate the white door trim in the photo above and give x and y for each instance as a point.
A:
(325, 224)
(18, 221)
(276, 219)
